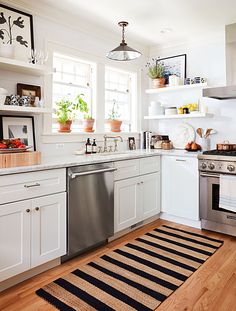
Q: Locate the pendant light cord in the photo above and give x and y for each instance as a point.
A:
(123, 33)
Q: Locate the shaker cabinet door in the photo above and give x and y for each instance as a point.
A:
(150, 186)
(48, 228)
(14, 238)
(127, 203)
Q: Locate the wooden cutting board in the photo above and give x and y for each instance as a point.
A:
(26, 158)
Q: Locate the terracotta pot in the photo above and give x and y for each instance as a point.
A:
(115, 125)
(160, 82)
(88, 125)
(65, 127)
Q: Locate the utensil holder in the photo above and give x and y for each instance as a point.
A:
(204, 143)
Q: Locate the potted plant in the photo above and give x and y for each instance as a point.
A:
(66, 112)
(113, 120)
(88, 121)
(7, 37)
(156, 73)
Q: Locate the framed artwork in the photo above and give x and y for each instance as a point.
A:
(132, 145)
(18, 127)
(29, 90)
(174, 65)
(16, 28)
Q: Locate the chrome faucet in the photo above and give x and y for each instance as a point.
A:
(116, 139)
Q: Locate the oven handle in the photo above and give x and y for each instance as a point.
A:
(210, 175)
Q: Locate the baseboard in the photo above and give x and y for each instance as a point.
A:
(181, 220)
(29, 274)
(134, 227)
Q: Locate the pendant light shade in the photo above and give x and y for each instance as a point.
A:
(123, 52)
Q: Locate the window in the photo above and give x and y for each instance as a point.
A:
(119, 93)
(72, 77)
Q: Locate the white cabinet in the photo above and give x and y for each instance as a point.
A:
(180, 187)
(32, 232)
(151, 203)
(137, 198)
(48, 234)
(127, 203)
(14, 239)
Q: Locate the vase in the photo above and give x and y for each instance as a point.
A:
(65, 127)
(88, 125)
(115, 125)
(159, 82)
(7, 50)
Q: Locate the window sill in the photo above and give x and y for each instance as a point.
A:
(50, 138)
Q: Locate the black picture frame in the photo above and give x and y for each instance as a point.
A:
(29, 16)
(18, 117)
(178, 58)
(131, 143)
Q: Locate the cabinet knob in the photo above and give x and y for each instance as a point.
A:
(141, 182)
(37, 208)
(138, 183)
(28, 210)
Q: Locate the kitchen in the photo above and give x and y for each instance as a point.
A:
(57, 216)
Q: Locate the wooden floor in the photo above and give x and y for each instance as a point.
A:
(212, 287)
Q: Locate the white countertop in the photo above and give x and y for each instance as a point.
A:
(53, 162)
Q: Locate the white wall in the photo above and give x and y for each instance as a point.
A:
(205, 58)
(53, 30)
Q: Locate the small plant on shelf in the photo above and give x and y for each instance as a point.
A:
(156, 71)
(88, 120)
(66, 113)
(113, 118)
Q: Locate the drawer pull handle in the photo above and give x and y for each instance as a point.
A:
(178, 160)
(33, 185)
(37, 208)
(28, 210)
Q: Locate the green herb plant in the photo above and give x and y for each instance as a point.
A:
(156, 69)
(83, 106)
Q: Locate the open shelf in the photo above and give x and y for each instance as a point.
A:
(21, 109)
(180, 116)
(23, 67)
(167, 89)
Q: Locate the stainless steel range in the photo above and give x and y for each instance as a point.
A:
(211, 165)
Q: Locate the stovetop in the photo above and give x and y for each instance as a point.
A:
(220, 153)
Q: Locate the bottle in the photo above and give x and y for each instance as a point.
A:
(88, 147)
(94, 146)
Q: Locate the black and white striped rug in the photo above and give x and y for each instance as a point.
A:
(138, 276)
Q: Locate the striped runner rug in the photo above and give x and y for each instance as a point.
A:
(138, 276)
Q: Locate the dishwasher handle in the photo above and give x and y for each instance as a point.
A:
(104, 170)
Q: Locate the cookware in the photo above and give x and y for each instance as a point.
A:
(226, 146)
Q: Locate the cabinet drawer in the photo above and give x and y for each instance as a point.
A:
(149, 165)
(29, 185)
(126, 169)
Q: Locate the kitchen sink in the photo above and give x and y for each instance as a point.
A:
(112, 153)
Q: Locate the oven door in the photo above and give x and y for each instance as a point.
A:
(209, 200)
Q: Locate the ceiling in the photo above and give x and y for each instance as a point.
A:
(181, 20)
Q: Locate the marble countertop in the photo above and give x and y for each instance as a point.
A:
(63, 161)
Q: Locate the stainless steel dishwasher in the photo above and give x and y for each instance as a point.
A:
(90, 214)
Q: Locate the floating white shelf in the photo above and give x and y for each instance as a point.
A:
(180, 116)
(176, 88)
(23, 67)
(21, 109)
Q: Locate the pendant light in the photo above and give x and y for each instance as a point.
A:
(123, 52)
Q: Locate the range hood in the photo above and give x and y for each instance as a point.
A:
(228, 91)
(224, 92)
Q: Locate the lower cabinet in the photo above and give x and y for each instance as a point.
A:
(180, 187)
(136, 199)
(32, 232)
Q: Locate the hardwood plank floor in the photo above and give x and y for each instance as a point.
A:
(212, 287)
